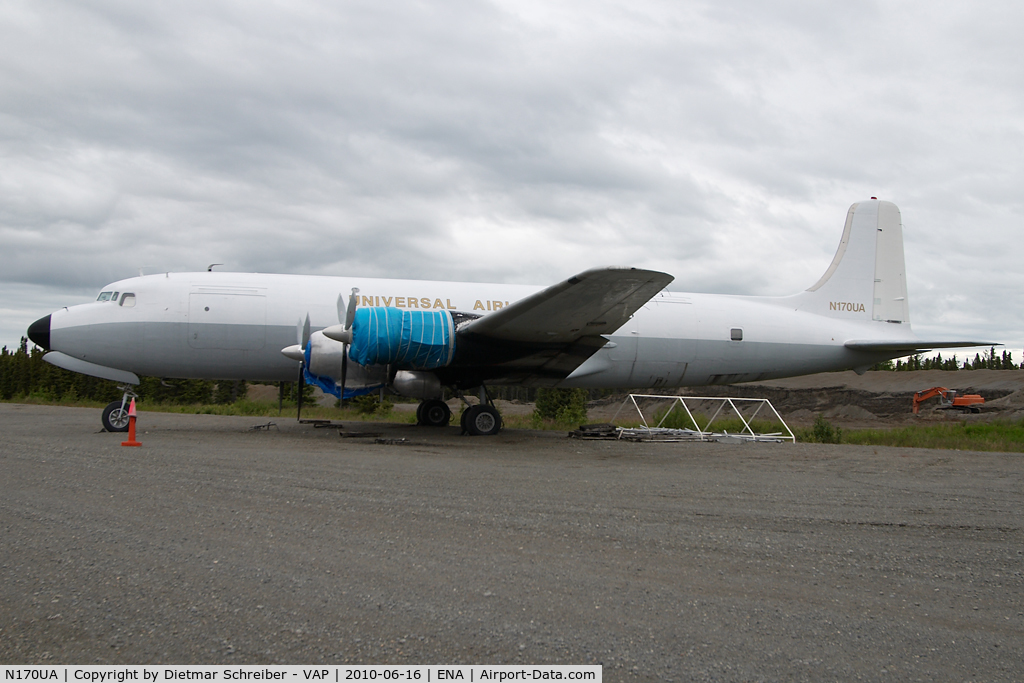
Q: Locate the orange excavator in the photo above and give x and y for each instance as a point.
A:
(949, 400)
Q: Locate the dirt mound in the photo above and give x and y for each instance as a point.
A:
(879, 398)
(1014, 401)
(849, 412)
(968, 381)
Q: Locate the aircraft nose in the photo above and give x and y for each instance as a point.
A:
(39, 333)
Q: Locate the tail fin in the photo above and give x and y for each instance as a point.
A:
(867, 278)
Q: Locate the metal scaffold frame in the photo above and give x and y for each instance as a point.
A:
(698, 434)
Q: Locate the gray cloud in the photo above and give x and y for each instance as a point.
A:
(512, 142)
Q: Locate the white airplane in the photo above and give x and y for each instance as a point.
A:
(603, 328)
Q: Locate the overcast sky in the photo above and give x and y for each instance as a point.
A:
(511, 142)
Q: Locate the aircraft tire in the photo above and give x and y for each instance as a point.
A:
(115, 417)
(482, 421)
(433, 413)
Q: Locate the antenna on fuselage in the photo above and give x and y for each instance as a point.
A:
(209, 268)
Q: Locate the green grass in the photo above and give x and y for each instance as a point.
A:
(242, 407)
(989, 436)
(40, 400)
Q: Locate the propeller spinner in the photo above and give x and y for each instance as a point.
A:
(342, 332)
(298, 351)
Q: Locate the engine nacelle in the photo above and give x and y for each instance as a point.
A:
(413, 384)
(413, 340)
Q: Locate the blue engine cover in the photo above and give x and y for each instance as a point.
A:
(412, 340)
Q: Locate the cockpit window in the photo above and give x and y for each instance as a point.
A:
(104, 296)
(128, 299)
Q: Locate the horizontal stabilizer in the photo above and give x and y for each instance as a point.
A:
(595, 302)
(912, 345)
(62, 360)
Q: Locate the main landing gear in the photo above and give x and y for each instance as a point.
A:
(433, 413)
(477, 420)
(482, 419)
(115, 415)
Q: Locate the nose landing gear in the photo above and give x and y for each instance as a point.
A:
(115, 415)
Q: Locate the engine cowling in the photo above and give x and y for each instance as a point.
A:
(410, 340)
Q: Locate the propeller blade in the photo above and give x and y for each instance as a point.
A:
(344, 373)
(305, 332)
(345, 316)
(353, 301)
(302, 386)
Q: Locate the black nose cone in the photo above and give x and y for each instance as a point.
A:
(39, 333)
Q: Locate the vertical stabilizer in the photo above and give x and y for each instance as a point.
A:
(867, 278)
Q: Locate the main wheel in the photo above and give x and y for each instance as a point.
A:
(482, 421)
(115, 417)
(433, 413)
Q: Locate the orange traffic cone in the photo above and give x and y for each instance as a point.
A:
(131, 427)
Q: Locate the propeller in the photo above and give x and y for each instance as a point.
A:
(342, 332)
(297, 352)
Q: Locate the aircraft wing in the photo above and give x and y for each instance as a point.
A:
(595, 302)
(541, 339)
(912, 345)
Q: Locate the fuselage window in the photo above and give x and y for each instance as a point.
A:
(128, 299)
(736, 334)
(104, 296)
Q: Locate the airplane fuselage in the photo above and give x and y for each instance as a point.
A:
(233, 326)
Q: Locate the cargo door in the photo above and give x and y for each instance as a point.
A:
(227, 318)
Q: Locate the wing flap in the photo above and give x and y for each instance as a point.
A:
(595, 302)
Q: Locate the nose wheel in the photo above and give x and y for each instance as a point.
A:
(115, 415)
